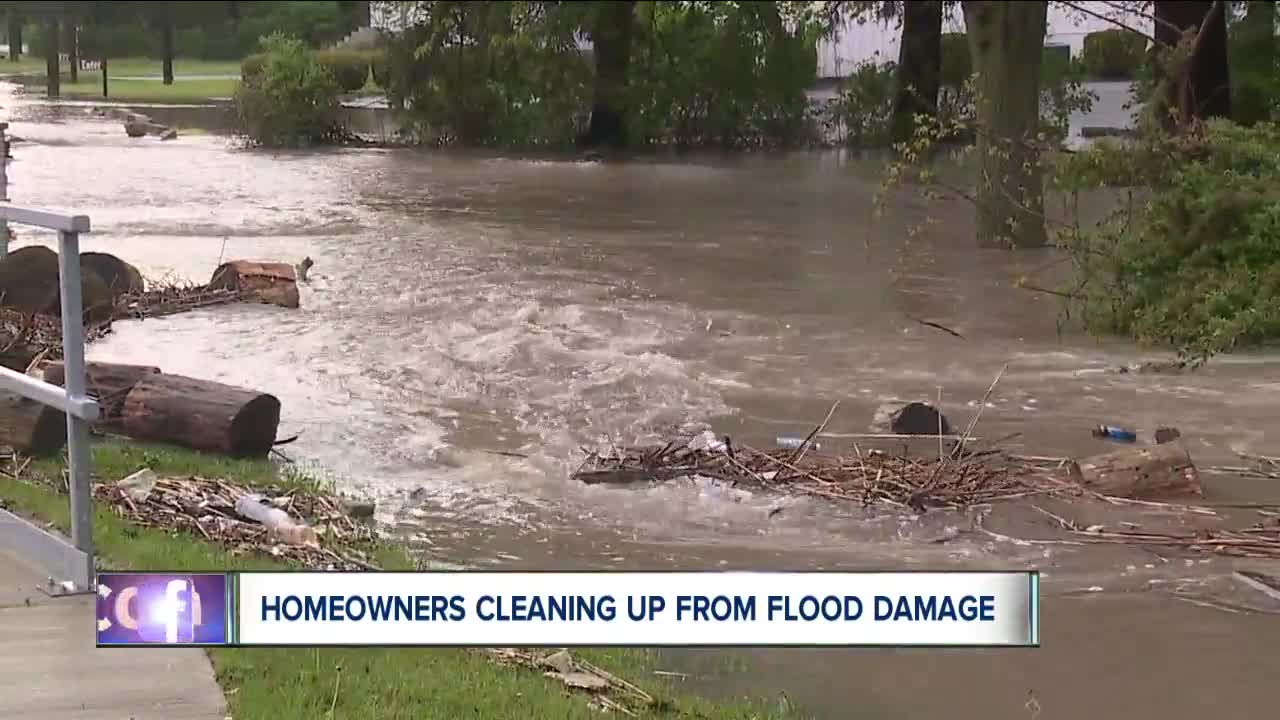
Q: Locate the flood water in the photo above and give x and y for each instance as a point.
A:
(465, 305)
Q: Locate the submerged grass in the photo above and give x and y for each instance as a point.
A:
(352, 683)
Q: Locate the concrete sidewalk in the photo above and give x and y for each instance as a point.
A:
(50, 669)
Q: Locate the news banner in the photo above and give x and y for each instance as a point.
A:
(639, 609)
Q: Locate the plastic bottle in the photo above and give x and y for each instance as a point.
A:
(1110, 432)
(793, 442)
(277, 521)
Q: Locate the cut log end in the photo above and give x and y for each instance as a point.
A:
(271, 283)
(202, 415)
(30, 427)
(253, 430)
(1148, 472)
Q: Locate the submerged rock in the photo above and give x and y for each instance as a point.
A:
(919, 419)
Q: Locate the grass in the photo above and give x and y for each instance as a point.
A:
(153, 90)
(137, 79)
(350, 683)
(128, 67)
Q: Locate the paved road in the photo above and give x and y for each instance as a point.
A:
(49, 668)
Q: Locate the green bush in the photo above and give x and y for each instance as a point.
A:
(1114, 54)
(292, 101)
(252, 66)
(1195, 263)
(865, 105)
(349, 68)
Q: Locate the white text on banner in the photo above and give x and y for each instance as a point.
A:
(639, 609)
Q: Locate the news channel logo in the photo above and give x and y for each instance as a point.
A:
(162, 609)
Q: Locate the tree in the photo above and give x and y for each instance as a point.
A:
(71, 31)
(611, 37)
(1206, 91)
(53, 82)
(15, 35)
(1006, 41)
(919, 67)
(165, 19)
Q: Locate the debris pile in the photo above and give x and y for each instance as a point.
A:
(207, 507)
(610, 692)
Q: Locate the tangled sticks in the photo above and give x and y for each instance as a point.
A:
(867, 478)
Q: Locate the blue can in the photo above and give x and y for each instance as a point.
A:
(1110, 432)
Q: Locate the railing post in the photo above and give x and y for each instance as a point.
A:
(78, 456)
(4, 186)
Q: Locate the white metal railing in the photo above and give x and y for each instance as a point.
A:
(71, 566)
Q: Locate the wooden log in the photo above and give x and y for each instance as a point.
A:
(201, 414)
(109, 383)
(1152, 471)
(30, 427)
(271, 283)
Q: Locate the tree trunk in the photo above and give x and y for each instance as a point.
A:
(1209, 93)
(30, 427)
(1006, 40)
(104, 75)
(1154, 471)
(919, 66)
(73, 49)
(15, 37)
(166, 48)
(53, 82)
(611, 38)
(202, 415)
(110, 383)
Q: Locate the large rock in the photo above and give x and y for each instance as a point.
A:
(919, 419)
(29, 283)
(119, 275)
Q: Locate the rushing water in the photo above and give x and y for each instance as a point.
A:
(463, 306)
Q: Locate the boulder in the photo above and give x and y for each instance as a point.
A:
(136, 129)
(119, 275)
(919, 419)
(29, 283)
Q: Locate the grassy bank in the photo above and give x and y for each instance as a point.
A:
(137, 80)
(360, 684)
(128, 67)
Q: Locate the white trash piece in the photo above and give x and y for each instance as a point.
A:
(707, 440)
(277, 521)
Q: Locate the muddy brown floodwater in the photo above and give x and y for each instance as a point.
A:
(464, 304)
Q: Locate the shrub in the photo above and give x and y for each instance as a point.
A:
(350, 69)
(292, 101)
(1114, 54)
(1196, 264)
(865, 104)
(252, 65)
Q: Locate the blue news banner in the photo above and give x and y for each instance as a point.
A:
(632, 609)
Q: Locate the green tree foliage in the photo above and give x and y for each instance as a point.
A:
(512, 74)
(493, 74)
(349, 68)
(1192, 261)
(1114, 54)
(292, 101)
